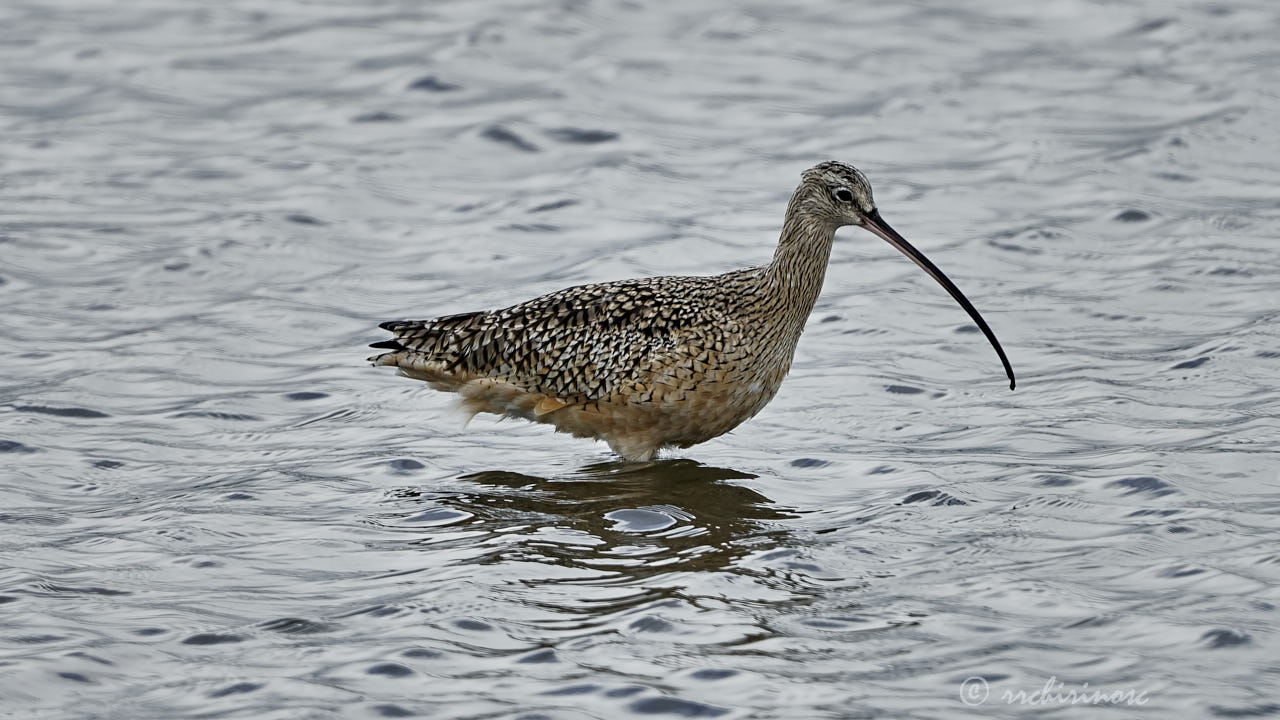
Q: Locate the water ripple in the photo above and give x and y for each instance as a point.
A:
(212, 507)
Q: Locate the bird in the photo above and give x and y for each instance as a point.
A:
(658, 362)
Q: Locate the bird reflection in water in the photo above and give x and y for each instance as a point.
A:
(635, 519)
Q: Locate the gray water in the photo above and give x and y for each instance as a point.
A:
(212, 507)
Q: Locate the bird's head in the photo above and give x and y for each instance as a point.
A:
(837, 193)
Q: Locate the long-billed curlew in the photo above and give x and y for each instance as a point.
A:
(655, 362)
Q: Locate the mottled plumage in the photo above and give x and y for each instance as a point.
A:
(655, 362)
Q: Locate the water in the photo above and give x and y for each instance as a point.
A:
(212, 507)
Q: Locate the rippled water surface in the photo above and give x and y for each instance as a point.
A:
(211, 506)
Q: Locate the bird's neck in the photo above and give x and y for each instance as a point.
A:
(799, 264)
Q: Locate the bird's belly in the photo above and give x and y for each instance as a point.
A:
(662, 415)
(701, 418)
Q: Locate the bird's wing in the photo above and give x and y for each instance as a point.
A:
(579, 344)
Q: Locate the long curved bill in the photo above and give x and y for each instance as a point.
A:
(879, 227)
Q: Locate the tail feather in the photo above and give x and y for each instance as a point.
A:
(434, 348)
(443, 339)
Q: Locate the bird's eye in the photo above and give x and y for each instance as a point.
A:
(843, 195)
